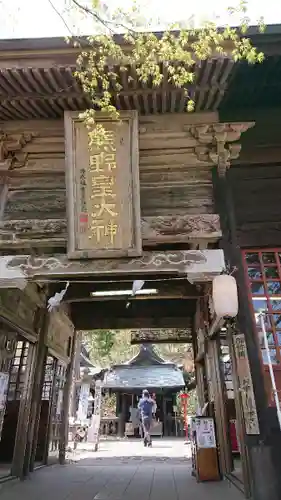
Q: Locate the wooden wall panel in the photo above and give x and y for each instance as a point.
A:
(173, 180)
(256, 193)
(36, 180)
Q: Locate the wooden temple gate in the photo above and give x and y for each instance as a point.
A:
(141, 207)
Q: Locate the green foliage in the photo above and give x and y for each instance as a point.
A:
(109, 405)
(104, 342)
(107, 347)
(167, 57)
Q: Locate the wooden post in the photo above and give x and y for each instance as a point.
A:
(122, 423)
(66, 401)
(263, 449)
(239, 416)
(38, 381)
(49, 428)
(164, 410)
(75, 375)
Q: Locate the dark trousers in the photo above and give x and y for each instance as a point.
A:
(146, 425)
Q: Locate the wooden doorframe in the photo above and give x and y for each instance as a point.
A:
(36, 403)
(8, 337)
(49, 424)
(24, 414)
(213, 350)
(239, 416)
(66, 403)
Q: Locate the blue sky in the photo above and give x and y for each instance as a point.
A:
(36, 18)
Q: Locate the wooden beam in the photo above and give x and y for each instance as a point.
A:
(172, 289)
(124, 323)
(158, 336)
(198, 266)
(155, 230)
(141, 314)
(70, 94)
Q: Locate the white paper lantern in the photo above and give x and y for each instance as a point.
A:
(225, 296)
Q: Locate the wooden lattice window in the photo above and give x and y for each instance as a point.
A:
(18, 371)
(59, 381)
(48, 378)
(263, 271)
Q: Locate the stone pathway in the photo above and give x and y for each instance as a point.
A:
(122, 471)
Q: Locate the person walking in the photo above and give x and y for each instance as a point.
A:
(147, 408)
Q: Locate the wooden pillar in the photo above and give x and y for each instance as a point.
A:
(199, 347)
(263, 449)
(49, 427)
(220, 407)
(122, 423)
(65, 405)
(164, 410)
(239, 416)
(75, 375)
(200, 385)
(38, 381)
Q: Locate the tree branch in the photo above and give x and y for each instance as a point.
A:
(105, 22)
(92, 13)
(60, 16)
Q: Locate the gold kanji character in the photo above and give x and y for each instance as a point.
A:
(102, 187)
(96, 163)
(102, 180)
(110, 161)
(98, 231)
(111, 231)
(109, 141)
(104, 207)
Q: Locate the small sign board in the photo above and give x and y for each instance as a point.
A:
(205, 433)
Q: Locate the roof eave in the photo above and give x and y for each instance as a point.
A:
(59, 43)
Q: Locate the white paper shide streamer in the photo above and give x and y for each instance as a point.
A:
(55, 301)
(137, 286)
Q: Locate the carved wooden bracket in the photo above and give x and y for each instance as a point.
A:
(217, 142)
(11, 146)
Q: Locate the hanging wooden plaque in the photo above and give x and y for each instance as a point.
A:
(103, 188)
(246, 385)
